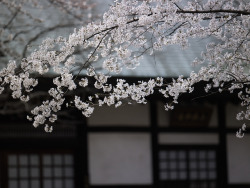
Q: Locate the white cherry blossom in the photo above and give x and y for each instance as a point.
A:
(128, 30)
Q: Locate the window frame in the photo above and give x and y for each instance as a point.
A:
(187, 148)
(4, 174)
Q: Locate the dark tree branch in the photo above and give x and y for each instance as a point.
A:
(11, 20)
(214, 11)
(42, 33)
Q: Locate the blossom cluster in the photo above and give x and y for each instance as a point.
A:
(130, 29)
(19, 23)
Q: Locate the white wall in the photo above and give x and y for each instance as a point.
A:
(129, 115)
(238, 159)
(188, 138)
(119, 158)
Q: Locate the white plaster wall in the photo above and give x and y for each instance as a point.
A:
(119, 158)
(238, 159)
(129, 115)
(186, 138)
(231, 111)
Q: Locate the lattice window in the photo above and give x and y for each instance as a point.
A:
(194, 168)
(40, 171)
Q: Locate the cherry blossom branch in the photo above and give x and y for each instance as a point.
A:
(238, 12)
(130, 29)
